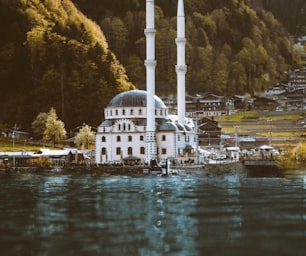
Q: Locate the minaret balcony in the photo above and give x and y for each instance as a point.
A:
(150, 31)
(150, 63)
(180, 40)
(181, 68)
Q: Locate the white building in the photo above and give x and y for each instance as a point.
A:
(137, 126)
(121, 137)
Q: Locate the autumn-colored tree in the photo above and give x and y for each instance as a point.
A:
(85, 138)
(55, 129)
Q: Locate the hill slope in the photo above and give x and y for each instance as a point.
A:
(232, 46)
(52, 55)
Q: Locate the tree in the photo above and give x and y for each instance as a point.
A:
(55, 129)
(39, 125)
(85, 137)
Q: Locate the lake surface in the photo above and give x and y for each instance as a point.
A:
(187, 214)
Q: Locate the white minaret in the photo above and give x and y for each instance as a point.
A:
(150, 63)
(181, 67)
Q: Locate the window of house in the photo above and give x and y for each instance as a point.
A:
(130, 138)
(123, 112)
(164, 151)
(141, 138)
(130, 151)
(164, 138)
(118, 138)
(103, 151)
(103, 139)
(118, 150)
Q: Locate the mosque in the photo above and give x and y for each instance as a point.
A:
(137, 126)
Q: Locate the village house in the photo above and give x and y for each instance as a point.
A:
(262, 103)
(207, 105)
(293, 100)
(209, 132)
(297, 78)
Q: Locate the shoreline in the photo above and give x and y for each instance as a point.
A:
(219, 169)
(208, 170)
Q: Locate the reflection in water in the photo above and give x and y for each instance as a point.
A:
(149, 215)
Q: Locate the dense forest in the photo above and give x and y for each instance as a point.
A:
(292, 14)
(52, 55)
(231, 47)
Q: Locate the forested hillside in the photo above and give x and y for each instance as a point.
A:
(291, 13)
(233, 46)
(52, 55)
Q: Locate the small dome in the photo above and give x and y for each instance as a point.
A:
(134, 98)
(187, 128)
(167, 126)
(180, 127)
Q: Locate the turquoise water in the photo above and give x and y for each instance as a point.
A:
(187, 214)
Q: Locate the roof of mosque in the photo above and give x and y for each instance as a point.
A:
(134, 98)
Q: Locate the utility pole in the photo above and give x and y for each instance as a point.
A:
(13, 137)
(236, 135)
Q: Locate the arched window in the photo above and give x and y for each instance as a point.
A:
(124, 127)
(130, 151)
(118, 138)
(123, 112)
(164, 138)
(131, 112)
(116, 113)
(141, 138)
(118, 151)
(103, 139)
(119, 127)
(142, 150)
(140, 111)
(129, 127)
(103, 151)
(130, 138)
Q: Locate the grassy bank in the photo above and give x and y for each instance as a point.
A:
(8, 145)
(279, 124)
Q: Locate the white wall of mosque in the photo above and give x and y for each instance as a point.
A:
(133, 112)
(117, 145)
